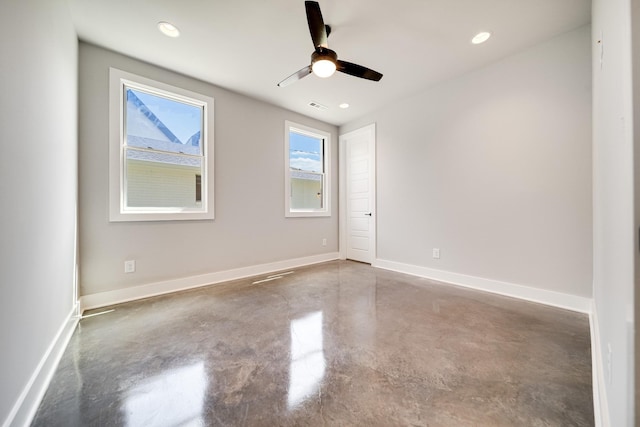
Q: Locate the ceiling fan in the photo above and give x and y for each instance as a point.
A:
(324, 61)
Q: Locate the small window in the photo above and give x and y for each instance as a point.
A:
(161, 151)
(307, 174)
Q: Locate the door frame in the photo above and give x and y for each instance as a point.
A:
(342, 188)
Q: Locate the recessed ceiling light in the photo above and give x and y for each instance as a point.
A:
(344, 105)
(481, 37)
(168, 29)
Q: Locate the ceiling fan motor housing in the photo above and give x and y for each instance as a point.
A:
(323, 53)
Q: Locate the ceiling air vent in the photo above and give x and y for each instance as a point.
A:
(318, 106)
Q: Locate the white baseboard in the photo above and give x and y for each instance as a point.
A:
(27, 404)
(118, 296)
(600, 403)
(543, 296)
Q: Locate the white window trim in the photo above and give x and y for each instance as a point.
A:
(326, 184)
(117, 210)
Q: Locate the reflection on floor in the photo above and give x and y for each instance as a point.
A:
(339, 343)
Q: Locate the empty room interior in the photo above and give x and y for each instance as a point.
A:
(319, 213)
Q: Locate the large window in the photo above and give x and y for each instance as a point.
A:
(161, 151)
(307, 177)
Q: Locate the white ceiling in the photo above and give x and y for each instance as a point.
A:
(248, 46)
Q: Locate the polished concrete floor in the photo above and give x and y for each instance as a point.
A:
(337, 344)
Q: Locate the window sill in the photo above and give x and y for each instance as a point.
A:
(303, 214)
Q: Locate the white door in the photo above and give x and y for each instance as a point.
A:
(359, 172)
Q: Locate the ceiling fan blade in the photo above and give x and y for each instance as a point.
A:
(296, 76)
(316, 24)
(358, 71)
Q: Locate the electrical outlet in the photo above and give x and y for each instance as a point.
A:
(130, 266)
(324, 242)
(436, 253)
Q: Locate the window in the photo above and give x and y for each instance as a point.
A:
(161, 151)
(307, 177)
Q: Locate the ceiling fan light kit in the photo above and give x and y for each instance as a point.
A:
(324, 61)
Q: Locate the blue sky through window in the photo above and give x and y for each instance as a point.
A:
(305, 153)
(182, 119)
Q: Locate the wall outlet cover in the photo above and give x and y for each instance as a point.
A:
(130, 266)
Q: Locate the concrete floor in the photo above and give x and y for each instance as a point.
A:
(338, 344)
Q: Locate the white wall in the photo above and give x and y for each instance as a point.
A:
(494, 168)
(614, 234)
(250, 227)
(635, 53)
(38, 181)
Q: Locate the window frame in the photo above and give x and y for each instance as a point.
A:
(119, 80)
(325, 211)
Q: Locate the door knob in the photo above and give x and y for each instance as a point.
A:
(368, 214)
